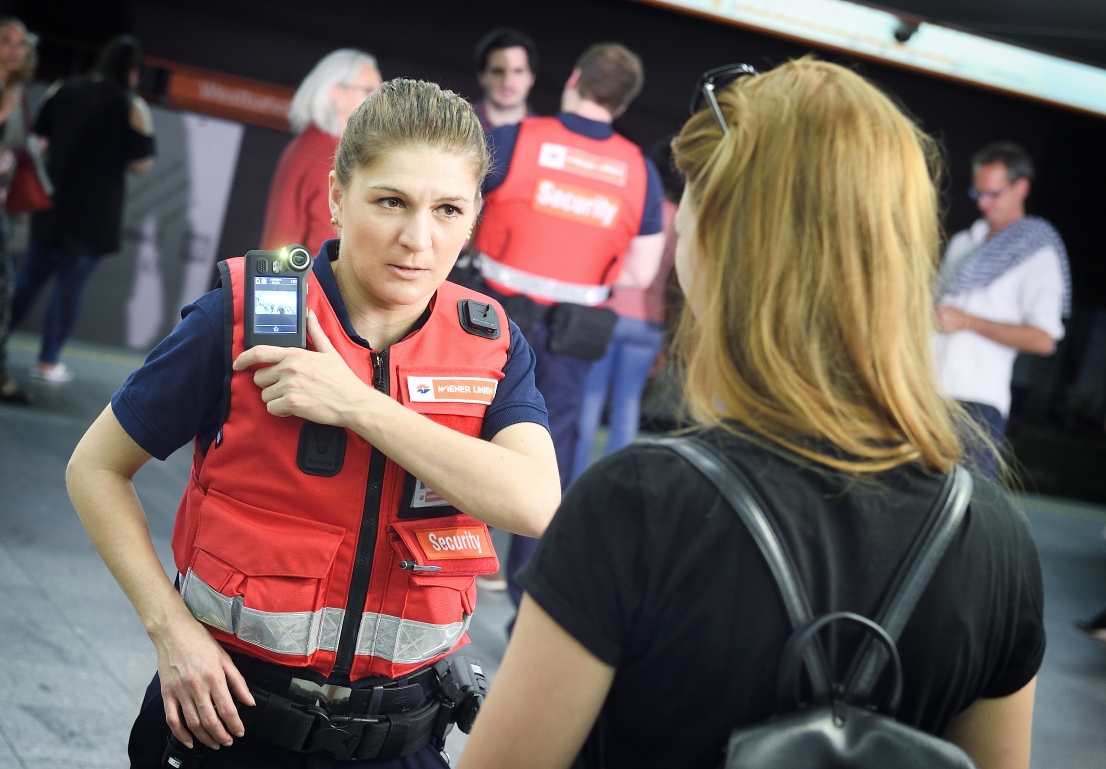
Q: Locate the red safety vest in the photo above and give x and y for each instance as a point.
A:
(285, 523)
(562, 219)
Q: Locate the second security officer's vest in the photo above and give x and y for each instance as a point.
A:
(558, 227)
(303, 545)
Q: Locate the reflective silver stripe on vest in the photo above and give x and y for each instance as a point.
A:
(302, 633)
(405, 640)
(541, 287)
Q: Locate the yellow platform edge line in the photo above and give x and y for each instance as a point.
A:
(80, 351)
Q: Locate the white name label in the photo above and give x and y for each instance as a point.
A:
(426, 389)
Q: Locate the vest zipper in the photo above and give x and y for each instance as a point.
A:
(366, 539)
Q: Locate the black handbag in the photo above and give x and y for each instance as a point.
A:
(839, 727)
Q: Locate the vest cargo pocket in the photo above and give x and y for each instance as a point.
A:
(262, 576)
(442, 557)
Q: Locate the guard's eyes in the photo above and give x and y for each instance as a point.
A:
(390, 202)
(449, 210)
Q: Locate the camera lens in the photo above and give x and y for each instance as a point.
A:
(299, 258)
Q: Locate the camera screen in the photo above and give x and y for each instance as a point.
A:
(275, 303)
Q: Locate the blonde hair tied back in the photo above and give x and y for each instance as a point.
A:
(406, 114)
(817, 238)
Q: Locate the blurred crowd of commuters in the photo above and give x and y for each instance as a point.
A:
(577, 240)
(93, 129)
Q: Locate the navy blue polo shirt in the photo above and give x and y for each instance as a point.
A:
(178, 393)
(501, 143)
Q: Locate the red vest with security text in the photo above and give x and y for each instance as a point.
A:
(303, 545)
(567, 210)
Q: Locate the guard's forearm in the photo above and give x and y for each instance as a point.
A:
(643, 260)
(98, 478)
(503, 488)
(113, 517)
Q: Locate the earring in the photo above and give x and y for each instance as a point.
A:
(334, 220)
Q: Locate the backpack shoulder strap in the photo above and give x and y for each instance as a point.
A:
(910, 582)
(734, 488)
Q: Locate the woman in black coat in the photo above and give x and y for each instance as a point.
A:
(97, 128)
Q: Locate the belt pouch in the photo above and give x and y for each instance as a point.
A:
(579, 331)
(525, 312)
(276, 721)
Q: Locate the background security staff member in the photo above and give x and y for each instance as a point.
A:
(266, 537)
(571, 209)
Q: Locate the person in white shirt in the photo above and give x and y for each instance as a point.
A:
(1004, 287)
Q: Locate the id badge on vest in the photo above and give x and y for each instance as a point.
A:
(420, 501)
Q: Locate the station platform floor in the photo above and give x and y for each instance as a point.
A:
(75, 661)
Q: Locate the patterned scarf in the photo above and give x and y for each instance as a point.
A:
(1008, 248)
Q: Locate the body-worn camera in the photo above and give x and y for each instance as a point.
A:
(276, 297)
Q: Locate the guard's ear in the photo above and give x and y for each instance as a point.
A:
(336, 196)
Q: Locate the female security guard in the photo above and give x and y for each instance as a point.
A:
(334, 522)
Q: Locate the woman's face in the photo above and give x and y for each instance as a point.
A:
(347, 96)
(687, 258)
(403, 221)
(13, 49)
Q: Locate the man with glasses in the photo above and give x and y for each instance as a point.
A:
(1004, 287)
(572, 208)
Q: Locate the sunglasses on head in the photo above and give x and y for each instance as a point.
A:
(713, 79)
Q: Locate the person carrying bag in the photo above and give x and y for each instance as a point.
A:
(30, 189)
(665, 623)
(841, 726)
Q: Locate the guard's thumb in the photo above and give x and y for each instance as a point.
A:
(315, 332)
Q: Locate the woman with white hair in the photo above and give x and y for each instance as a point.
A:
(298, 209)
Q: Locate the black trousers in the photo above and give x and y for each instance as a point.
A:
(149, 733)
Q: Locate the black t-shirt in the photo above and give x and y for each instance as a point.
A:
(91, 142)
(647, 567)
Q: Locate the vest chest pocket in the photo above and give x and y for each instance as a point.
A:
(441, 557)
(262, 576)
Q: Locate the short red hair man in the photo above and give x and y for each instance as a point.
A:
(572, 209)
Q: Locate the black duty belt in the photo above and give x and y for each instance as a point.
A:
(369, 722)
(345, 736)
(389, 720)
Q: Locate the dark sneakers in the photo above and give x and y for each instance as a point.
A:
(10, 393)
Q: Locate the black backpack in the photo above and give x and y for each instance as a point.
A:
(839, 727)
